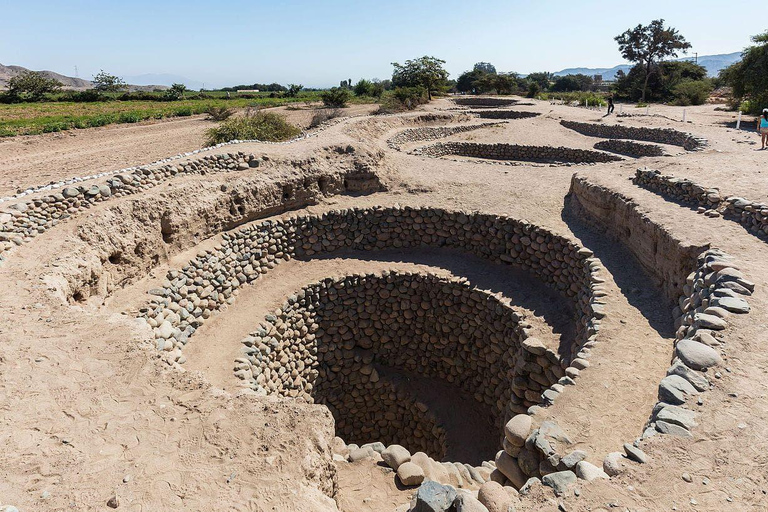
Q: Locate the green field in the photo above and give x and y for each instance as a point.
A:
(56, 116)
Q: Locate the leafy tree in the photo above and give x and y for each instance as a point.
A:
(646, 45)
(570, 83)
(533, 89)
(176, 92)
(467, 81)
(377, 88)
(363, 88)
(666, 76)
(32, 84)
(485, 67)
(541, 79)
(104, 82)
(335, 97)
(427, 72)
(749, 76)
(293, 90)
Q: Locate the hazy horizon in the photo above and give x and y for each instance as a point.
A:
(318, 44)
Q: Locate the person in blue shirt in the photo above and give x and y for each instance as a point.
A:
(762, 127)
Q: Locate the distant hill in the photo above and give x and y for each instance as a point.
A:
(713, 63)
(163, 79)
(71, 83)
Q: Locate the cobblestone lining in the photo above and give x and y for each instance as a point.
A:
(659, 135)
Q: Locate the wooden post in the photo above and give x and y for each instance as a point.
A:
(738, 121)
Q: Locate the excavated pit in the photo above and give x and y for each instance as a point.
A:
(515, 153)
(400, 358)
(484, 102)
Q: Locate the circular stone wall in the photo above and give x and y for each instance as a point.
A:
(632, 149)
(352, 343)
(503, 114)
(211, 279)
(515, 152)
(484, 102)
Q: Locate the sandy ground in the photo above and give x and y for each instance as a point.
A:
(35, 160)
(83, 374)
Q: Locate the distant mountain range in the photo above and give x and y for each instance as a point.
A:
(77, 84)
(713, 63)
(164, 79)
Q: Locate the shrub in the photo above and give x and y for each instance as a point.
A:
(533, 89)
(219, 113)
(363, 88)
(691, 92)
(324, 115)
(402, 99)
(335, 97)
(265, 126)
(183, 111)
(86, 96)
(129, 117)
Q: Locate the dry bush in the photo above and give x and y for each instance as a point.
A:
(219, 113)
(264, 126)
(326, 114)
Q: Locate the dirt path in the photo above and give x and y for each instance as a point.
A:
(35, 160)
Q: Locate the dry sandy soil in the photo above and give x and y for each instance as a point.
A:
(91, 412)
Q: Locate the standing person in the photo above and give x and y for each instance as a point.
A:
(762, 127)
(610, 105)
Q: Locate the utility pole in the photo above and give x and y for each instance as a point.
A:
(697, 56)
(76, 75)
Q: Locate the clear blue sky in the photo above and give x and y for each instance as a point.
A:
(318, 43)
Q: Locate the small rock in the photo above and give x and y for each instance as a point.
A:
(613, 464)
(687, 477)
(517, 429)
(113, 502)
(589, 472)
(697, 355)
(560, 481)
(635, 454)
(465, 502)
(410, 474)
(493, 496)
(573, 458)
(395, 455)
(433, 497)
(672, 430)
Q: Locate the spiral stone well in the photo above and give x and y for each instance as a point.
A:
(360, 343)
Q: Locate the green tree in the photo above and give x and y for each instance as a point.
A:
(293, 90)
(467, 81)
(542, 79)
(336, 97)
(570, 83)
(104, 82)
(749, 76)
(363, 88)
(32, 85)
(485, 67)
(426, 72)
(647, 45)
(176, 92)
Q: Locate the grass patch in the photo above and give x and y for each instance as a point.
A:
(266, 126)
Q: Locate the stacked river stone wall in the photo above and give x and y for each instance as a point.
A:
(334, 340)
(503, 114)
(23, 221)
(431, 133)
(632, 149)
(484, 102)
(210, 280)
(658, 135)
(540, 154)
(752, 215)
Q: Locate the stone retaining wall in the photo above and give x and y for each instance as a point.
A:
(210, 280)
(540, 154)
(484, 102)
(23, 221)
(431, 133)
(658, 135)
(503, 114)
(627, 148)
(334, 340)
(750, 214)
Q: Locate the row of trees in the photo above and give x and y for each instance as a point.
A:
(34, 86)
